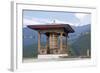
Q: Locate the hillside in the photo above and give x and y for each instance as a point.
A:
(81, 45)
(78, 31)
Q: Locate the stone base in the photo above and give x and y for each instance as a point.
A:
(51, 56)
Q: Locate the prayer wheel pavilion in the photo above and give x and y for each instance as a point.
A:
(53, 32)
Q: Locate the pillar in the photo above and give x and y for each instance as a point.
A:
(50, 41)
(61, 43)
(39, 44)
(88, 54)
(47, 44)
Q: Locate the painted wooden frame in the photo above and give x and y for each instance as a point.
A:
(16, 48)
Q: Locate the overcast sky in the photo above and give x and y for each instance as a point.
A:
(44, 17)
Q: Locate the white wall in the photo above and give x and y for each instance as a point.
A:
(5, 35)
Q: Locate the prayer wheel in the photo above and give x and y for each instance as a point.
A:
(53, 40)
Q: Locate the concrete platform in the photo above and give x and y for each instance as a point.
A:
(32, 60)
(51, 56)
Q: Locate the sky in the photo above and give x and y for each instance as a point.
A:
(31, 17)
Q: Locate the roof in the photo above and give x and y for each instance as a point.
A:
(66, 27)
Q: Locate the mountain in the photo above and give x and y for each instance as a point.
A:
(81, 44)
(30, 41)
(79, 30)
(30, 36)
(80, 40)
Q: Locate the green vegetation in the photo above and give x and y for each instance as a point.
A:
(81, 45)
(30, 51)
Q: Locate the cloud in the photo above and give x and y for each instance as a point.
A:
(83, 18)
(63, 22)
(41, 21)
(30, 22)
(80, 16)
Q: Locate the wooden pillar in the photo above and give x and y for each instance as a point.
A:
(50, 42)
(47, 43)
(39, 44)
(61, 43)
(88, 53)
